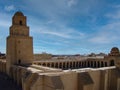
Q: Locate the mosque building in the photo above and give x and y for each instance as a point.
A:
(81, 73)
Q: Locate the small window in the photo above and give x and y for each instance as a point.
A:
(19, 61)
(21, 22)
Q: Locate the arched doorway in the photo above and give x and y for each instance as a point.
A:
(112, 63)
(19, 61)
(102, 64)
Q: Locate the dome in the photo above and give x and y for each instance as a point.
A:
(18, 13)
(115, 49)
(114, 52)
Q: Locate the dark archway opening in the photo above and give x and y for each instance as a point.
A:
(56, 65)
(48, 64)
(73, 65)
(112, 63)
(105, 64)
(98, 64)
(95, 64)
(60, 65)
(92, 64)
(20, 22)
(19, 61)
(102, 64)
(64, 65)
(44, 64)
(80, 65)
(88, 64)
(52, 65)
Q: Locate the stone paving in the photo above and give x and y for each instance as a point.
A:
(7, 84)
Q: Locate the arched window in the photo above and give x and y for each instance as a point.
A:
(67, 64)
(91, 63)
(48, 64)
(56, 65)
(102, 64)
(52, 64)
(94, 64)
(20, 22)
(98, 64)
(70, 64)
(19, 61)
(44, 64)
(80, 64)
(105, 64)
(112, 63)
(73, 64)
(88, 64)
(60, 65)
(63, 65)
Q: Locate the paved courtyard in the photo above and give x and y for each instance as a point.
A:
(7, 84)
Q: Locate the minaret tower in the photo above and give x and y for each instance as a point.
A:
(19, 43)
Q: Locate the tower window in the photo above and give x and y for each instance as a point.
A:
(112, 63)
(21, 22)
(19, 61)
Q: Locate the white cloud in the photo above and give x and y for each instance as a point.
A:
(116, 6)
(114, 15)
(9, 8)
(71, 3)
(55, 34)
(55, 28)
(5, 20)
(108, 33)
(5, 23)
(61, 8)
(60, 32)
(102, 39)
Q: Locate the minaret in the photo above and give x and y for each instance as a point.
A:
(19, 43)
(115, 55)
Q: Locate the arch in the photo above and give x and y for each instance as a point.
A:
(102, 64)
(85, 64)
(60, 65)
(64, 65)
(73, 64)
(94, 64)
(43, 64)
(48, 64)
(80, 64)
(112, 63)
(91, 63)
(88, 64)
(98, 64)
(19, 61)
(56, 65)
(20, 22)
(70, 65)
(67, 64)
(39, 63)
(105, 64)
(77, 64)
(52, 65)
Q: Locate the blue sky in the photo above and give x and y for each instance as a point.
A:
(66, 26)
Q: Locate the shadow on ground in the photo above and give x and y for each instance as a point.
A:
(7, 83)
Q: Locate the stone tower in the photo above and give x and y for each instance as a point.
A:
(19, 43)
(115, 55)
